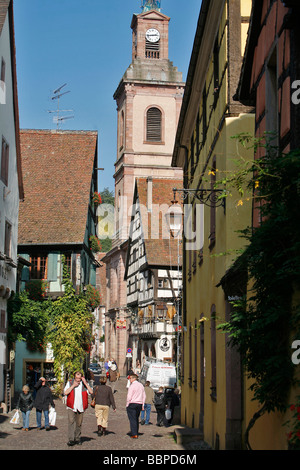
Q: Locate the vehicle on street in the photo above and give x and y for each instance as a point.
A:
(159, 374)
(95, 368)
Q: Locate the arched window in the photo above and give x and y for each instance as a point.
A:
(122, 130)
(154, 125)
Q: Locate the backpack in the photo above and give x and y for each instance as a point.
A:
(159, 399)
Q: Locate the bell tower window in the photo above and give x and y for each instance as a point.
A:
(152, 50)
(154, 125)
(152, 44)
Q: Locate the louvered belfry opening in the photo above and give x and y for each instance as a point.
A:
(153, 125)
(152, 50)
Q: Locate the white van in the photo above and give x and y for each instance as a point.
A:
(159, 374)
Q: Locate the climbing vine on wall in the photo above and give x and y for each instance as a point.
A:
(263, 325)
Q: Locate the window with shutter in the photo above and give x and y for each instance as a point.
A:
(154, 121)
(4, 161)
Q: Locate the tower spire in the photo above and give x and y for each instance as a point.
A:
(148, 5)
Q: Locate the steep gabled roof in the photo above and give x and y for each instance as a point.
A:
(57, 173)
(162, 251)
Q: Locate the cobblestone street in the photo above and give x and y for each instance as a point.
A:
(151, 437)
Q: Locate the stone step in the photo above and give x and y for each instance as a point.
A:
(186, 434)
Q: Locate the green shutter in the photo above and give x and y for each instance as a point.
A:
(52, 266)
(25, 269)
(93, 275)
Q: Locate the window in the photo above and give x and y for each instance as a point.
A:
(122, 130)
(216, 72)
(272, 99)
(152, 49)
(3, 70)
(153, 125)
(204, 115)
(2, 83)
(212, 235)
(38, 269)
(2, 321)
(7, 243)
(213, 354)
(4, 161)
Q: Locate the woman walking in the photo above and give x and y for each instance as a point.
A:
(25, 405)
(104, 399)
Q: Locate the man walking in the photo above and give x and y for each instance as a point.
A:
(147, 407)
(77, 402)
(135, 404)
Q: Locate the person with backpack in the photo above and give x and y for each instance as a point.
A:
(160, 406)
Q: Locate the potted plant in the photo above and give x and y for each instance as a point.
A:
(96, 199)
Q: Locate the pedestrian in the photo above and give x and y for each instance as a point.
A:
(160, 406)
(106, 366)
(25, 405)
(135, 404)
(137, 369)
(130, 372)
(148, 401)
(42, 403)
(103, 400)
(113, 376)
(172, 403)
(77, 391)
(90, 377)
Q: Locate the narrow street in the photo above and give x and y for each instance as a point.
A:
(151, 437)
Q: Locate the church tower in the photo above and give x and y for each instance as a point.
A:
(148, 98)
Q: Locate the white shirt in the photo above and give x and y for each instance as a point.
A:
(78, 406)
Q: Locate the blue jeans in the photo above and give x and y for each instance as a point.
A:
(25, 416)
(147, 409)
(39, 418)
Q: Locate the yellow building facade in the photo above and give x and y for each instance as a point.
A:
(212, 383)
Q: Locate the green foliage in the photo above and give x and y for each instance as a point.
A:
(70, 331)
(95, 244)
(36, 289)
(263, 325)
(107, 198)
(92, 297)
(28, 321)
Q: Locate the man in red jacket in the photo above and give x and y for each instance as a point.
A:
(77, 391)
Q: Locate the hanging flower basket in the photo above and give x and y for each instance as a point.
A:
(95, 244)
(96, 199)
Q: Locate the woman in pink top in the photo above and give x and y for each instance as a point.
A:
(135, 404)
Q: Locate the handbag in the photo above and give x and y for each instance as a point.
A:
(168, 413)
(93, 402)
(16, 418)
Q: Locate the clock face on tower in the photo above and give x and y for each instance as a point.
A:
(152, 35)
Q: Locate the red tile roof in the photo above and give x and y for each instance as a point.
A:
(162, 251)
(57, 175)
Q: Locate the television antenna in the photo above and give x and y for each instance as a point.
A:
(57, 94)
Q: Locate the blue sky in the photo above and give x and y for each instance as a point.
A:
(87, 45)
